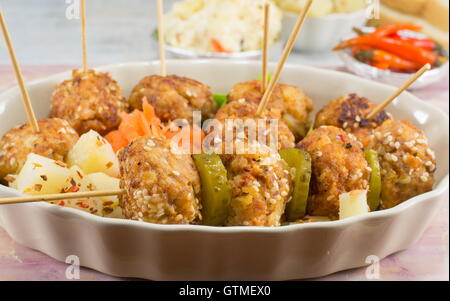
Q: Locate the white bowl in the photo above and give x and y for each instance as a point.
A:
(180, 53)
(321, 34)
(190, 252)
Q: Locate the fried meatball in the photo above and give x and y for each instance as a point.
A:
(338, 166)
(348, 113)
(247, 110)
(174, 97)
(161, 187)
(260, 186)
(291, 101)
(54, 140)
(407, 162)
(89, 101)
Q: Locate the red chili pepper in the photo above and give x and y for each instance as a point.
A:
(427, 43)
(383, 58)
(387, 30)
(380, 65)
(400, 48)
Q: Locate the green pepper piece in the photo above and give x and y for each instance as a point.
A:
(301, 161)
(220, 99)
(216, 193)
(269, 77)
(373, 196)
(310, 131)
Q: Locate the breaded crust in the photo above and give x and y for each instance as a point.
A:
(260, 186)
(406, 160)
(90, 101)
(161, 187)
(173, 97)
(348, 112)
(338, 166)
(291, 101)
(55, 139)
(247, 110)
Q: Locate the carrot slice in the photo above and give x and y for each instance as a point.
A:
(117, 140)
(218, 46)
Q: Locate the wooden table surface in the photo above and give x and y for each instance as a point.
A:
(428, 259)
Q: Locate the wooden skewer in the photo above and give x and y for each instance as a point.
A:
(265, 47)
(19, 76)
(59, 196)
(83, 34)
(287, 50)
(405, 86)
(162, 54)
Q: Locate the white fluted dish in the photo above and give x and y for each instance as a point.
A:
(189, 252)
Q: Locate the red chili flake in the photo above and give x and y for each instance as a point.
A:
(62, 203)
(73, 189)
(341, 137)
(109, 164)
(84, 205)
(59, 163)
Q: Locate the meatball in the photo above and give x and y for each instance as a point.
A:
(348, 113)
(247, 110)
(89, 101)
(161, 186)
(291, 101)
(407, 162)
(54, 140)
(338, 166)
(174, 97)
(259, 186)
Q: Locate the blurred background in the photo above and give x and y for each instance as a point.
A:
(123, 30)
(117, 31)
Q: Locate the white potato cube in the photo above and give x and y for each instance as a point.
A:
(77, 180)
(107, 206)
(41, 175)
(110, 204)
(92, 153)
(353, 203)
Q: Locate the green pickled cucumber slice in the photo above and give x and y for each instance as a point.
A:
(216, 192)
(373, 196)
(301, 161)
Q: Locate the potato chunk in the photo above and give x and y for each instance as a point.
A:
(41, 175)
(353, 203)
(92, 153)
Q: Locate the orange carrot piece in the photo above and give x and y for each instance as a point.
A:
(117, 140)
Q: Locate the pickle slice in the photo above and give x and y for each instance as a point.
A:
(373, 196)
(301, 161)
(216, 193)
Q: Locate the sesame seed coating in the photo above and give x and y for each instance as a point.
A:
(55, 139)
(348, 113)
(338, 166)
(89, 101)
(259, 188)
(173, 97)
(292, 103)
(407, 162)
(161, 187)
(247, 110)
